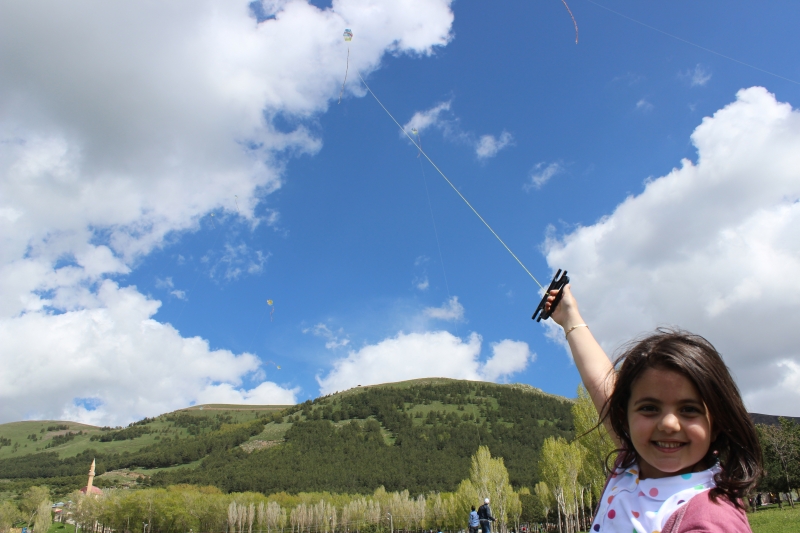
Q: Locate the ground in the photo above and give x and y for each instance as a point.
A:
(775, 520)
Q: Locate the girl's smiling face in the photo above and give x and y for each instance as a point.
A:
(668, 423)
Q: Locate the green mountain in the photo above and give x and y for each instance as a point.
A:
(417, 435)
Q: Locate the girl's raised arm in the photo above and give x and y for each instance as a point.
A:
(595, 368)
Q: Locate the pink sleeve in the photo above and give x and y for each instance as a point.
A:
(702, 515)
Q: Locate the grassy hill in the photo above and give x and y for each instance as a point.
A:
(69, 439)
(415, 434)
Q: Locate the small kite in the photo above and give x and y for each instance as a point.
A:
(269, 302)
(415, 131)
(236, 200)
(273, 363)
(348, 36)
(212, 221)
(573, 19)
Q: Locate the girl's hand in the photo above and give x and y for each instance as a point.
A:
(566, 313)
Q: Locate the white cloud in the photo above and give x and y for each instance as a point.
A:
(644, 106)
(440, 117)
(433, 117)
(698, 76)
(712, 247)
(427, 354)
(236, 260)
(488, 145)
(509, 357)
(117, 361)
(422, 283)
(165, 283)
(115, 135)
(333, 339)
(266, 393)
(541, 174)
(451, 310)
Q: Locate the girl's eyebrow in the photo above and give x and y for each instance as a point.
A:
(649, 399)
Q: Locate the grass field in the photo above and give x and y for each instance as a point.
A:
(775, 520)
(61, 528)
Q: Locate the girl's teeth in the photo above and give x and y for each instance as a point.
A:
(669, 444)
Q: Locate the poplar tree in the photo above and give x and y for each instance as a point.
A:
(559, 466)
(9, 515)
(488, 478)
(43, 518)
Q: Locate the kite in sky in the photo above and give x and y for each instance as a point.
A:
(270, 303)
(415, 131)
(573, 19)
(348, 36)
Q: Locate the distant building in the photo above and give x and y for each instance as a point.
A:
(90, 488)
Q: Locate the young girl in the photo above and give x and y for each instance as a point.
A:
(688, 451)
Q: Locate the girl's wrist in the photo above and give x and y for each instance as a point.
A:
(569, 330)
(572, 321)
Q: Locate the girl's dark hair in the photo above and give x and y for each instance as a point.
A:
(736, 443)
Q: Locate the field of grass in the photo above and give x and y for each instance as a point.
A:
(61, 528)
(775, 520)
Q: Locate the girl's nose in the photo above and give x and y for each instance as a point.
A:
(669, 422)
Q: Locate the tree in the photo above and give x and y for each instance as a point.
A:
(781, 446)
(44, 517)
(29, 504)
(488, 478)
(595, 439)
(559, 466)
(545, 497)
(9, 515)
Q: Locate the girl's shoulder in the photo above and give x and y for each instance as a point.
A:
(708, 515)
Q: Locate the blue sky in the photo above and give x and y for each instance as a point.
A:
(122, 285)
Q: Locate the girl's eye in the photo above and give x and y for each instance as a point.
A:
(647, 408)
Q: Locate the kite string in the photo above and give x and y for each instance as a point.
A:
(449, 182)
(433, 219)
(347, 68)
(693, 44)
(199, 273)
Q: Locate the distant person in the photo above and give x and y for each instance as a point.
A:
(688, 450)
(485, 516)
(474, 521)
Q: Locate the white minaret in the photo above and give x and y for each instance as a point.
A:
(91, 479)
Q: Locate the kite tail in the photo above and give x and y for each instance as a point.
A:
(573, 19)
(345, 75)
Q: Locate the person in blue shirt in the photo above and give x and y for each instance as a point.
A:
(474, 521)
(485, 516)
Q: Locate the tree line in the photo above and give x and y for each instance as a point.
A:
(181, 508)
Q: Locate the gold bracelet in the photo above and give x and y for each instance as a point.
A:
(573, 327)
